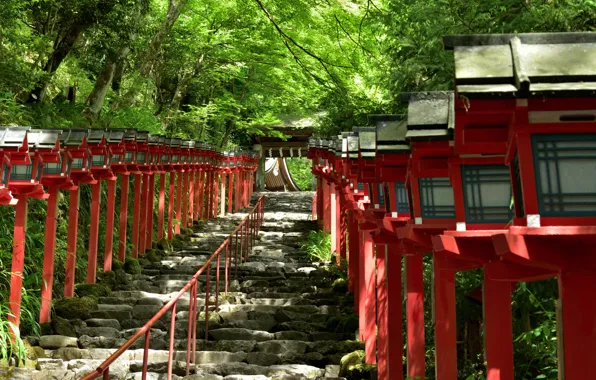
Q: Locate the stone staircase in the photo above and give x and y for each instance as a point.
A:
(281, 319)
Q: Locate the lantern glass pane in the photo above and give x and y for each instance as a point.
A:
(183, 159)
(116, 158)
(164, 159)
(5, 173)
(52, 168)
(98, 160)
(565, 168)
(381, 192)
(487, 193)
(21, 172)
(436, 198)
(77, 163)
(401, 197)
(175, 158)
(129, 156)
(141, 157)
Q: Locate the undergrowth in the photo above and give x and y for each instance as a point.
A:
(317, 246)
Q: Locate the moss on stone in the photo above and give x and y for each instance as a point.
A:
(350, 360)
(153, 256)
(186, 231)
(108, 278)
(340, 285)
(75, 308)
(93, 290)
(143, 262)
(117, 264)
(62, 326)
(163, 244)
(177, 244)
(121, 277)
(132, 266)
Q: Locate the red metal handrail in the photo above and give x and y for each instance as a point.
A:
(247, 231)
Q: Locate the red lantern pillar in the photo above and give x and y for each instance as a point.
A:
(184, 215)
(368, 312)
(382, 313)
(415, 316)
(18, 261)
(136, 215)
(143, 214)
(230, 193)
(191, 198)
(394, 312)
(202, 179)
(123, 217)
(110, 213)
(161, 205)
(48, 256)
(333, 220)
(150, 205)
(197, 195)
(216, 194)
(178, 203)
(445, 321)
(94, 231)
(71, 243)
(354, 248)
(222, 190)
(171, 206)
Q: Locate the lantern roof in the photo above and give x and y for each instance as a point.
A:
(14, 137)
(142, 137)
(130, 135)
(431, 115)
(96, 136)
(367, 141)
(175, 142)
(73, 137)
(524, 65)
(157, 140)
(114, 136)
(188, 144)
(43, 138)
(391, 133)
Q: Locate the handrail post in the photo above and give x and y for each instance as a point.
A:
(172, 333)
(217, 284)
(207, 302)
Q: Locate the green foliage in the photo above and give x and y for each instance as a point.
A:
(317, 246)
(93, 290)
(300, 169)
(75, 308)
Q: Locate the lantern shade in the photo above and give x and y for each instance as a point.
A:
(487, 193)
(436, 198)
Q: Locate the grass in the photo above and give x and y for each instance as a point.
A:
(317, 246)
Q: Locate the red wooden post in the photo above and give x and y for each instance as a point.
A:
(238, 189)
(178, 203)
(320, 195)
(71, 243)
(48, 256)
(110, 213)
(216, 194)
(136, 215)
(577, 324)
(222, 190)
(184, 215)
(230, 193)
(445, 321)
(143, 214)
(161, 205)
(342, 227)
(150, 206)
(382, 314)
(171, 206)
(94, 231)
(369, 315)
(333, 220)
(18, 261)
(361, 288)
(498, 327)
(354, 248)
(202, 176)
(415, 316)
(394, 311)
(123, 217)
(191, 198)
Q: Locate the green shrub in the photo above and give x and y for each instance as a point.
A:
(132, 266)
(75, 308)
(153, 256)
(117, 264)
(108, 279)
(163, 244)
(93, 290)
(317, 246)
(143, 262)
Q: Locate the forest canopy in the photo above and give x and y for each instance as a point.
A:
(217, 69)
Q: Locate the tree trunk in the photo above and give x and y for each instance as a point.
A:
(230, 124)
(97, 96)
(65, 41)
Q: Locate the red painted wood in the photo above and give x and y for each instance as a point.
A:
(178, 202)
(110, 214)
(136, 215)
(208, 193)
(370, 316)
(196, 195)
(184, 216)
(333, 220)
(123, 217)
(343, 226)
(236, 192)
(395, 314)
(150, 207)
(94, 231)
(48, 256)
(498, 330)
(361, 289)
(18, 261)
(445, 320)
(577, 324)
(528, 179)
(353, 250)
(171, 206)
(143, 214)
(320, 195)
(230, 193)
(202, 176)
(415, 317)
(191, 198)
(382, 314)
(71, 243)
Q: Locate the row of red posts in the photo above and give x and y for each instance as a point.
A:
(39, 163)
(500, 175)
